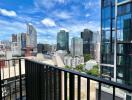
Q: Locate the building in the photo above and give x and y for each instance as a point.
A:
(31, 37)
(16, 46)
(47, 48)
(116, 42)
(76, 47)
(23, 40)
(63, 40)
(54, 46)
(90, 64)
(87, 37)
(14, 37)
(73, 61)
(40, 48)
(6, 44)
(96, 43)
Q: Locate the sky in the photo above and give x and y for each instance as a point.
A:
(48, 17)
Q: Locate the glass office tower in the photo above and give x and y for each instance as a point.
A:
(63, 40)
(87, 36)
(116, 41)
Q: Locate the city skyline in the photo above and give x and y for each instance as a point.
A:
(70, 15)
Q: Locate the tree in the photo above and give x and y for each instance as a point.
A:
(80, 67)
(68, 67)
(87, 57)
(94, 71)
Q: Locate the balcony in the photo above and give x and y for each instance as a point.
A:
(24, 79)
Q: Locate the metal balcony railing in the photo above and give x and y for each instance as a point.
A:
(23, 79)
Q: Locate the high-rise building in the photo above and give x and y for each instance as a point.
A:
(87, 37)
(76, 47)
(23, 40)
(96, 42)
(40, 48)
(31, 37)
(116, 41)
(14, 37)
(16, 46)
(63, 40)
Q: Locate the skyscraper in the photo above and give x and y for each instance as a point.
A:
(31, 37)
(14, 37)
(23, 40)
(87, 37)
(116, 42)
(16, 45)
(63, 40)
(76, 47)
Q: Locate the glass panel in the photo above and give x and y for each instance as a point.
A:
(124, 9)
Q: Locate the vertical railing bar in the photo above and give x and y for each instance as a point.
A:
(79, 87)
(36, 79)
(51, 87)
(49, 82)
(20, 78)
(65, 85)
(71, 89)
(52, 82)
(0, 82)
(60, 85)
(45, 93)
(26, 76)
(3, 82)
(35, 70)
(47, 78)
(88, 89)
(9, 78)
(113, 92)
(99, 92)
(55, 85)
(15, 79)
(27, 73)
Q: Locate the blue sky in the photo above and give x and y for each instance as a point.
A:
(48, 17)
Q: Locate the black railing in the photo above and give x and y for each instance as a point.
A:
(38, 81)
(12, 79)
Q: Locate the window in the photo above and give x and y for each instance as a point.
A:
(106, 3)
(107, 71)
(113, 12)
(124, 9)
(128, 97)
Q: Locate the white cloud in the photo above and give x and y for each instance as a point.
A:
(64, 29)
(92, 4)
(10, 13)
(47, 3)
(12, 27)
(87, 15)
(63, 15)
(48, 22)
(77, 27)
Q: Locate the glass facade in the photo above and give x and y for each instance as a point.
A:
(63, 40)
(117, 32)
(108, 31)
(124, 43)
(87, 37)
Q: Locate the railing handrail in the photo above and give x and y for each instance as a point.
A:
(98, 79)
(11, 59)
